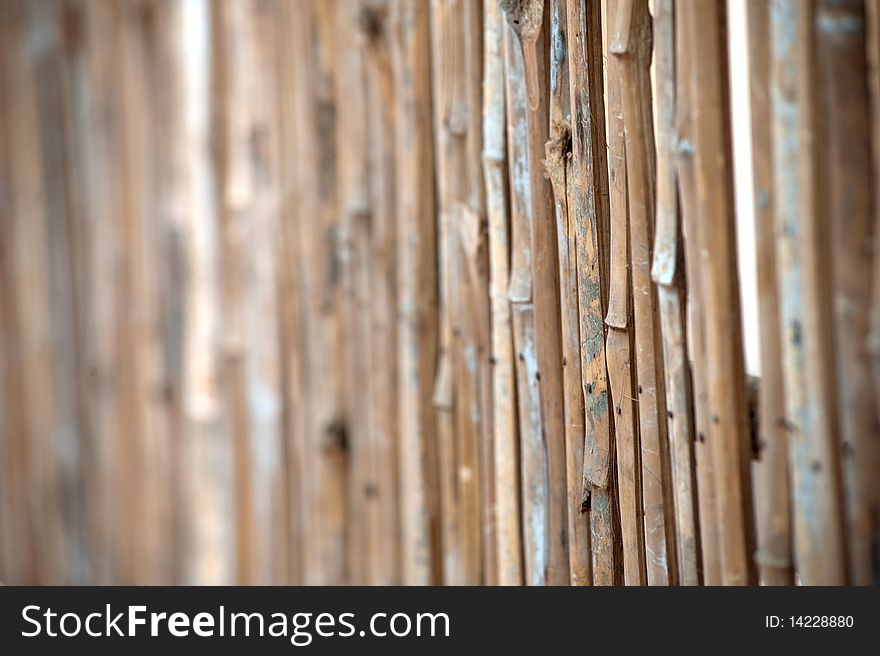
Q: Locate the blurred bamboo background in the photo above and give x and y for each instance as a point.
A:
(439, 292)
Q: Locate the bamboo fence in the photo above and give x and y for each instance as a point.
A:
(438, 292)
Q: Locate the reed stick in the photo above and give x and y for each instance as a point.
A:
(559, 169)
(631, 45)
(819, 548)
(771, 492)
(687, 189)
(667, 274)
(845, 120)
(504, 426)
(417, 297)
(589, 183)
(619, 338)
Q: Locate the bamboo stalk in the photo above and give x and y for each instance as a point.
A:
(842, 74)
(619, 339)
(475, 239)
(416, 293)
(772, 506)
(531, 452)
(591, 211)
(726, 378)
(558, 164)
(666, 273)
(531, 26)
(504, 428)
(326, 441)
(687, 189)
(872, 10)
(356, 217)
(376, 28)
(819, 548)
(631, 44)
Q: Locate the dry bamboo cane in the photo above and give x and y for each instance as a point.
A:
(631, 44)
(375, 26)
(666, 273)
(475, 226)
(819, 548)
(325, 440)
(417, 302)
(142, 360)
(455, 430)
(531, 27)
(504, 427)
(251, 206)
(619, 339)
(872, 9)
(356, 218)
(726, 378)
(464, 311)
(590, 205)
(686, 175)
(292, 307)
(558, 164)
(191, 325)
(531, 452)
(843, 68)
(48, 59)
(27, 321)
(771, 495)
(100, 192)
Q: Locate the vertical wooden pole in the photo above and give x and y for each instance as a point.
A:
(771, 494)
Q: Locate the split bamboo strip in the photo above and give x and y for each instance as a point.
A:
(726, 379)
(842, 74)
(590, 224)
(631, 44)
(687, 189)
(872, 10)
(417, 302)
(819, 548)
(475, 240)
(532, 456)
(558, 164)
(772, 505)
(375, 23)
(504, 433)
(355, 220)
(316, 219)
(667, 274)
(620, 337)
(530, 24)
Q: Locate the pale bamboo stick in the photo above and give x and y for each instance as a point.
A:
(590, 205)
(872, 10)
(687, 189)
(666, 273)
(819, 546)
(504, 426)
(475, 226)
(619, 339)
(416, 293)
(376, 27)
(531, 452)
(356, 218)
(631, 44)
(559, 169)
(771, 493)
(531, 28)
(726, 378)
(842, 76)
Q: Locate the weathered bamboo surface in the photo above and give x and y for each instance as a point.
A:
(380, 292)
